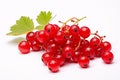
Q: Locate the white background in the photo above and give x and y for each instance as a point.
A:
(102, 15)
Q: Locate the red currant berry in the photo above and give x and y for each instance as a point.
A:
(45, 45)
(106, 46)
(76, 55)
(89, 52)
(107, 57)
(83, 61)
(30, 36)
(60, 38)
(46, 57)
(74, 30)
(53, 65)
(42, 37)
(84, 32)
(60, 58)
(52, 48)
(57, 28)
(36, 46)
(69, 60)
(69, 42)
(24, 47)
(50, 30)
(76, 39)
(68, 51)
(95, 42)
(99, 51)
(36, 35)
(84, 43)
(65, 28)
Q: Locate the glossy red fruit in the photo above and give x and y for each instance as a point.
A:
(65, 28)
(95, 42)
(106, 46)
(83, 61)
(69, 42)
(45, 45)
(42, 36)
(76, 55)
(75, 39)
(60, 58)
(107, 57)
(57, 28)
(68, 51)
(46, 57)
(60, 38)
(83, 45)
(99, 51)
(50, 30)
(53, 65)
(74, 30)
(36, 35)
(85, 32)
(24, 47)
(52, 48)
(36, 46)
(30, 36)
(89, 52)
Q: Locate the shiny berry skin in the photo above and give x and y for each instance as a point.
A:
(76, 55)
(84, 43)
(68, 51)
(24, 47)
(30, 36)
(60, 58)
(36, 46)
(57, 28)
(74, 30)
(99, 51)
(85, 32)
(95, 42)
(69, 42)
(76, 39)
(42, 36)
(83, 61)
(107, 57)
(46, 57)
(89, 52)
(65, 28)
(53, 65)
(60, 38)
(48, 43)
(50, 30)
(52, 48)
(106, 46)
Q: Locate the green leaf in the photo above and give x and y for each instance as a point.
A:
(22, 26)
(43, 18)
(40, 27)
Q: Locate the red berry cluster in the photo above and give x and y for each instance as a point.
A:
(68, 43)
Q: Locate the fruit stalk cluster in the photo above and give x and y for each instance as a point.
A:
(67, 44)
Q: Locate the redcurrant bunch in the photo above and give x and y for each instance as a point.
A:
(66, 44)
